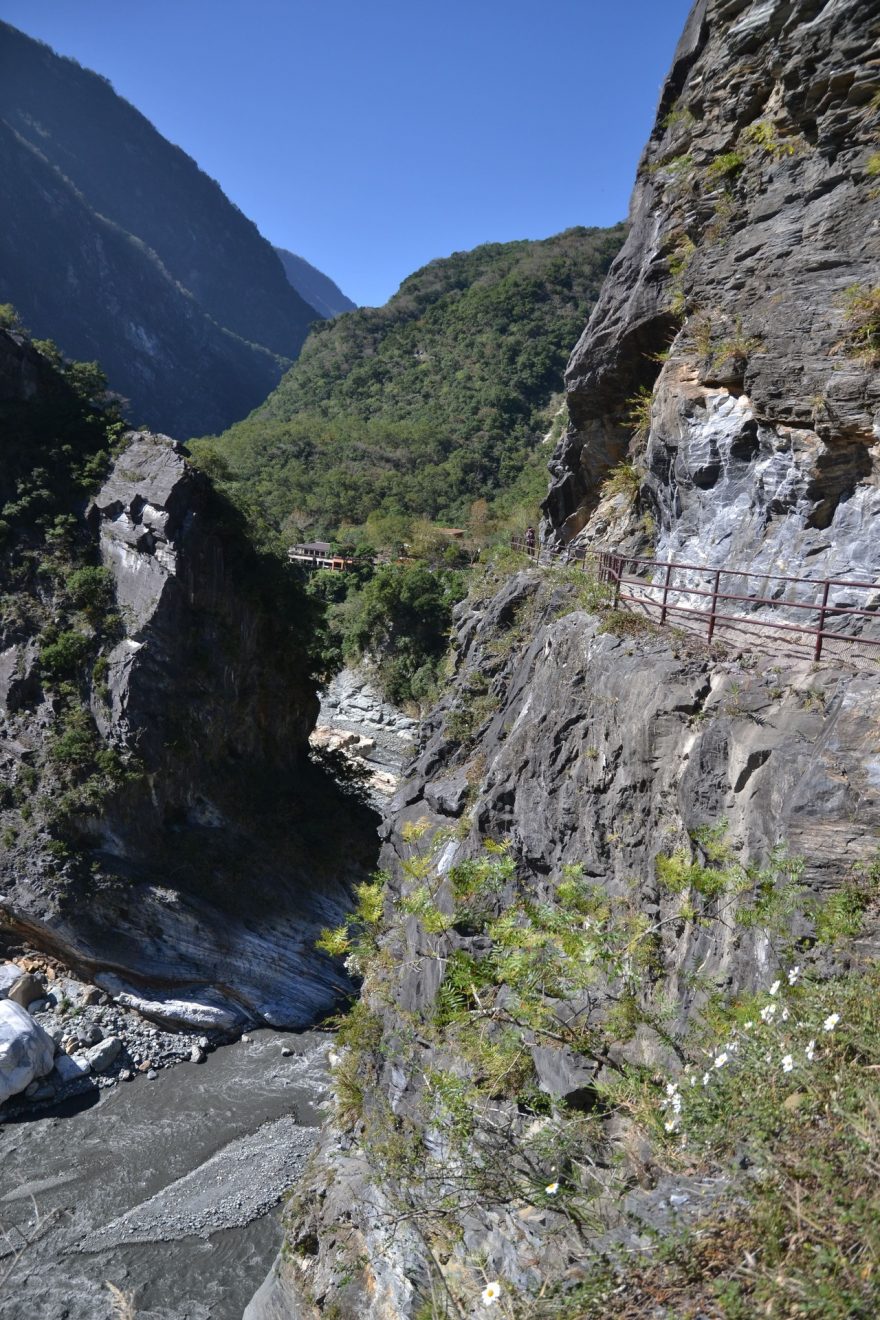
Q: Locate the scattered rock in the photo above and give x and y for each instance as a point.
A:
(286, 1051)
(101, 1056)
(197, 1055)
(72, 1068)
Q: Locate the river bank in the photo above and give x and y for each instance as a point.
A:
(167, 1188)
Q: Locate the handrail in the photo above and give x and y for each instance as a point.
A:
(611, 565)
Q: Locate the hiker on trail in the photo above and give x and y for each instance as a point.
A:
(530, 540)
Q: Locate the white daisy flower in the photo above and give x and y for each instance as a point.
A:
(810, 1051)
(705, 1079)
(831, 1022)
(787, 1063)
(794, 976)
(774, 987)
(721, 1060)
(552, 1188)
(768, 1013)
(491, 1292)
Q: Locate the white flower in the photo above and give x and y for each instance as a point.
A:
(768, 1013)
(676, 1104)
(705, 1079)
(831, 1022)
(774, 987)
(671, 1088)
(785, 1015)
(747, 1026)
(670, 1125)
(491, 1292)
(794, 975)
(693, 1081)
(721, 1060)
(810, 1050)
(552, 1188)
(787, 1063)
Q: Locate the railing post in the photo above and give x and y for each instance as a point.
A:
(714, 604)
(665, 593)
(822, 608)
(617, 569)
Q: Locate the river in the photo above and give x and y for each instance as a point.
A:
(169, 1189)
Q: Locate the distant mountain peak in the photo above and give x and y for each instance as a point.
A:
(315, 287)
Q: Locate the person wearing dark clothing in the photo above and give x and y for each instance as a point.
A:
(530, 540)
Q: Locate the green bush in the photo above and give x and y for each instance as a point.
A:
(725, 167)
(90, 589)
(862, 313)
(64, 656)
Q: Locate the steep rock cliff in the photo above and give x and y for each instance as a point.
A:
(593, 785)
(744, 304)
(602, 753)
(159, 810)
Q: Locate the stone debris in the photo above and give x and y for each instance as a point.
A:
(94, 1041)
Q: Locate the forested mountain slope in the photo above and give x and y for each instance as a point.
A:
(432, 401)
(115, 244)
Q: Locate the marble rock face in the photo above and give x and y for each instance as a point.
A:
(753, 224)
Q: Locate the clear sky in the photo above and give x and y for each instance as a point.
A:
(370, 136)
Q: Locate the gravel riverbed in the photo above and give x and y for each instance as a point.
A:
(167, 1188)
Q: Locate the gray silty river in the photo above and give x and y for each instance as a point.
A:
(170, 1189)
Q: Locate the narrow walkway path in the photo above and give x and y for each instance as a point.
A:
(796, 617)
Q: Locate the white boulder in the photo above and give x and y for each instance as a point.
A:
(26, 1050)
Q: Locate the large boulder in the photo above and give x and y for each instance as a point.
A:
(26, 1050)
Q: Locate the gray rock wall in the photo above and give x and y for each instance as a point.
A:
(601, 751)
(207, 870)
(754, 214)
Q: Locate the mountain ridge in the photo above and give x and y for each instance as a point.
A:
(154, 271)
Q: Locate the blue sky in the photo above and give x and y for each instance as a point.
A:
(373, 135)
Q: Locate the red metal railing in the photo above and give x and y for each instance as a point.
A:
(697, 596)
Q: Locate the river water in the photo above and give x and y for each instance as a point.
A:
(169, 1189)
